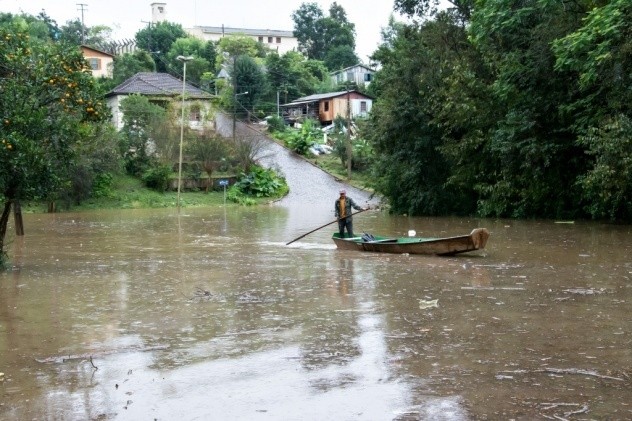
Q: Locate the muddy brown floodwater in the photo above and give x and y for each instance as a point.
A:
(143, 315)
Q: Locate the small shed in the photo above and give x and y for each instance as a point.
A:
(326, 107)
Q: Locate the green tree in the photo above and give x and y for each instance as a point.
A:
(74, 32)
(211, 151)
(128, 64)
(46, 97)
(337, 29)
(189, 47)
(97, 161)
(340, 57)
(425, 8)
(240, 45)
(250, 84)
(292, 76)
(607, 186)
(318, 35)
(141, 120)
(157, 40)
(593, 59)
(410, 170)
(308, 30)
(41, 27)
(531, 141)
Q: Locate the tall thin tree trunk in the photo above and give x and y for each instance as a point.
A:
(17, 218)
(4, 220)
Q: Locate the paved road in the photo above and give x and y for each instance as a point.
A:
(309, 185)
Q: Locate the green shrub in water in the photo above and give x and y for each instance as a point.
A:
(261, 182)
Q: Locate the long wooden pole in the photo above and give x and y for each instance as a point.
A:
(323, 226)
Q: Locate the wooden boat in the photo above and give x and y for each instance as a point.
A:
(446, 246)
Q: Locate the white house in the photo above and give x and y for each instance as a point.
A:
(281, 41)
(161, 87)
(359, 73)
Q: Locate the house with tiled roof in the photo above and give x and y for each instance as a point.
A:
(326, 107)
(160, 88)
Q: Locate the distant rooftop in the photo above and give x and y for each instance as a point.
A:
(318, 97)
(146, 83)
(252, 32)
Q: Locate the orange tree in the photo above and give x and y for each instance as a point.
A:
(47, 97)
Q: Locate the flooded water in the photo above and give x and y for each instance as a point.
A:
(142, 315)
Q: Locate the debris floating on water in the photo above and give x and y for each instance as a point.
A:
(424, 304)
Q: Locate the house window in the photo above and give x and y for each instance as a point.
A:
(95, 63)
(363, 106)
(278, 40)
(326, 106)
(367, 77)
(260, 39)
(195, 114)
(269, 40)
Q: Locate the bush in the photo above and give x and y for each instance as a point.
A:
(261, 182)
(276, 124)
(157, 177)
(301, 140)
(102, 185)
(237, 196)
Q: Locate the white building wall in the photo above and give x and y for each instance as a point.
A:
(158, 12)
(270, 40)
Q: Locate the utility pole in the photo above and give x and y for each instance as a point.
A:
(151, 53)
(349, 147)
(234, 76)
(83, 33)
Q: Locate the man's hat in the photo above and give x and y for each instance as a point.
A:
(343, 191)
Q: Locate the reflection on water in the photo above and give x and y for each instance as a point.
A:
(144, 314)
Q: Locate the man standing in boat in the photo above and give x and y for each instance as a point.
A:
(342, 208)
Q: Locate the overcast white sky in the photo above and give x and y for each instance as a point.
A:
(126, 17)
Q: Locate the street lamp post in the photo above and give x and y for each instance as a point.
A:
(184, 78)
(235, 114)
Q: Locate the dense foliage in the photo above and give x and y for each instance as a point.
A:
(157, 40)
(506, 108)
(258, 182)
(327, 38)
(48, 103)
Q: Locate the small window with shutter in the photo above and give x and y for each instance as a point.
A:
(95, 63)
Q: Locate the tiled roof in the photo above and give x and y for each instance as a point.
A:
(157, 84)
